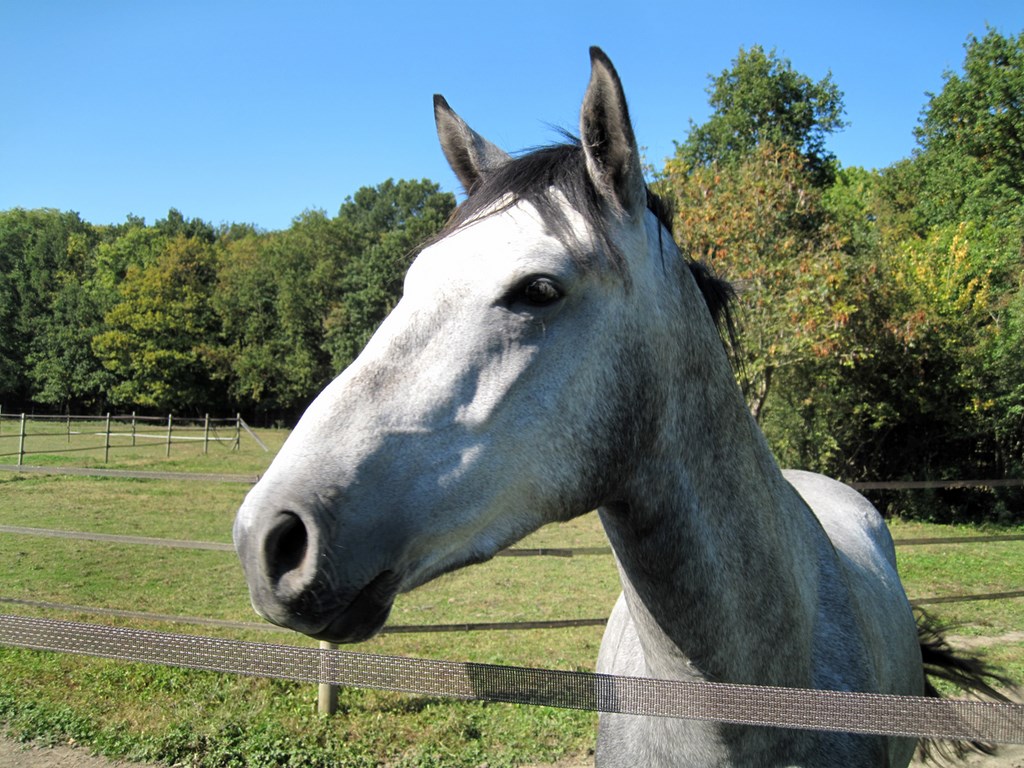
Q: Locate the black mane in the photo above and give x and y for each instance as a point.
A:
(531, 176)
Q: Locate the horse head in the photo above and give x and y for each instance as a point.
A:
(510, 387)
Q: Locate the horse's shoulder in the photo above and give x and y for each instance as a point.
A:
(864, 581)
(851, 522)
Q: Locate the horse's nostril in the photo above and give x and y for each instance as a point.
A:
(285, 549)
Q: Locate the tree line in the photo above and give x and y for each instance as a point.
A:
(882, 310)
(186, 317)
(880, 313)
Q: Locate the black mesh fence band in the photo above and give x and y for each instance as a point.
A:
(748, 705)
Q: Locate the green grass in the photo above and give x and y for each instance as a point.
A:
(195, 718)
(203, 719)
(956, 569)
(936, 570)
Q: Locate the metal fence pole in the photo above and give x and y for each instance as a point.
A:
(238, 432)
(206, 435)
(106, 441)
(21, 441)
(169, 428)
(133, 429)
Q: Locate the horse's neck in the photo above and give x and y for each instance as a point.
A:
(709, 539)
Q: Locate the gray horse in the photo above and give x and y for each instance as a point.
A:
(554, 353)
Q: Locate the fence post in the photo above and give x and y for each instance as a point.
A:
(69, 428)
(206, 435)
(106, 441)
(327, 694)
(241, 423)
(133, 429)
(169, 428)
(21, 441)
(238, 432)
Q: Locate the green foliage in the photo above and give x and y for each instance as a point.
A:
(60, 362)
(256, 358)
(297, 306)
(157, 334)
(271, 313)
(952, 217)
(131, 245)
(880, 313)
(970, 135)
(762, 100)
(380, 229)
(40, 251)
(760, 222)
(181, 316)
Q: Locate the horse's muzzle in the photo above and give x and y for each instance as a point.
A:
(292, 584)
(365, 616)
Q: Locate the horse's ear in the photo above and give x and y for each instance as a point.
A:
(613, 158)
(469, 154)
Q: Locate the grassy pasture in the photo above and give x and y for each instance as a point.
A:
(203, 719)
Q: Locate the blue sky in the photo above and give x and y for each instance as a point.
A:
(254, 112)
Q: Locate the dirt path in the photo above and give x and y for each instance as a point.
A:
(15, 755)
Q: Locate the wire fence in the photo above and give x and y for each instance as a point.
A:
(820, 710)
(328, 668)
(24, 434)
(517, 552)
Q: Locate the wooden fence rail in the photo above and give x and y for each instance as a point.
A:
(119, 431)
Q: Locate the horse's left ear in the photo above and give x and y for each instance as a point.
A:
(613, 158)
(469, 154)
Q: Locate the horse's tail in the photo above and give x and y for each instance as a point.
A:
(966, 671)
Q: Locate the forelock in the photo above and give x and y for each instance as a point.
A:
(549, 179)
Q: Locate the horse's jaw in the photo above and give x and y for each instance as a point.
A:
(365, 616)
(328, 559)
(338, 599)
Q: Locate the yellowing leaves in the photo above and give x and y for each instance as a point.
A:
(947, 283)
(761, 224)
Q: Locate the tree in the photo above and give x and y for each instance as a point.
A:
(160, 333)
(380, 229)
(1006, 366)
(831, 411)
(61, 365)
(760, 222)
(271, 316)
(762, 100)
(749, 186)
(176, 225)
(971, 136)
(951, 219)
(297, 306)
(39, 250)
(10, 354)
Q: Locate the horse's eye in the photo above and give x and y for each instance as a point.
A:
(541, 291)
